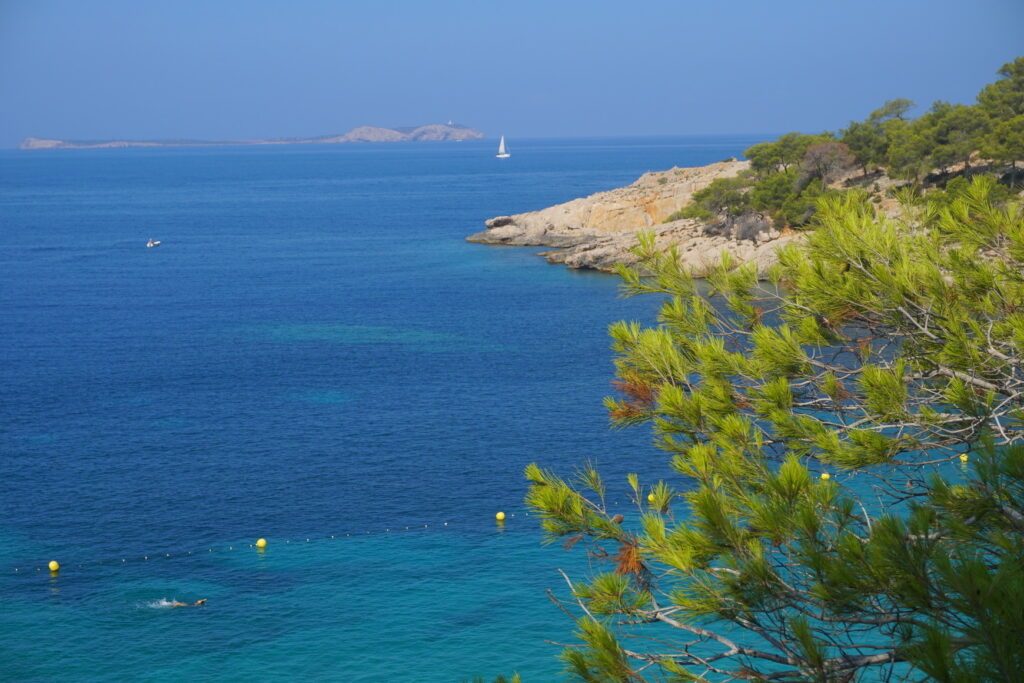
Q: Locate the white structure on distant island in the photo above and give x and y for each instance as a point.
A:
(450, 122)
(502, 152)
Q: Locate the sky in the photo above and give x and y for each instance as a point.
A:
(227, 69)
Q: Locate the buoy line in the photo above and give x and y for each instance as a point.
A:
(260, 545)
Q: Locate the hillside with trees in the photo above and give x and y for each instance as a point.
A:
(846, 441)
(889, 149)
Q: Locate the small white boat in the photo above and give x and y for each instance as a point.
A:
(152, 243)
(502, 152)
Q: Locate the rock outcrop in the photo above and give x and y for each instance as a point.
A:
(598, 231)
(699, 247)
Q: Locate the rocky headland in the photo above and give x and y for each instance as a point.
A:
(434, 132)
(598, 231)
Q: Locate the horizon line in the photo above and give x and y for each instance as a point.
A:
(306, 142)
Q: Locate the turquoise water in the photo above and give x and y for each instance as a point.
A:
(316, 353)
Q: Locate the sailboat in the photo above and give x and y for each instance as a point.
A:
(502, 154)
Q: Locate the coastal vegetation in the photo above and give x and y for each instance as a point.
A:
(847, 497)
(788, 176)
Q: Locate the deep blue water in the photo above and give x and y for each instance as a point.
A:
(314, 351)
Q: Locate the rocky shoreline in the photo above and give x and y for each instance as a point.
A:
(596, 232)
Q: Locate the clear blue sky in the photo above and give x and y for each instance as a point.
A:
(236, 69)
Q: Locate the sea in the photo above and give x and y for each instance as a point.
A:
(314, 356)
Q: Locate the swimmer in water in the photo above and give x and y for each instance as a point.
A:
(197, 603)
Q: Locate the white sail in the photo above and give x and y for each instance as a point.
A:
(502, 153)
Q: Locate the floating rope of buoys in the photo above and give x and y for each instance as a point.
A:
(260, 544)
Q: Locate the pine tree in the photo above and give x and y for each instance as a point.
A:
(1005, 143)
(822, 525)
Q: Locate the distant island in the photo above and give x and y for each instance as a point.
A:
(434, 132)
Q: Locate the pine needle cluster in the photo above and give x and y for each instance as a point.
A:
(847, 441)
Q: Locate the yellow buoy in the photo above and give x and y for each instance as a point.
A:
(262, 543)
(963, 457)
(650, 497)
(54, 566)
(500, 516)
(826, 475)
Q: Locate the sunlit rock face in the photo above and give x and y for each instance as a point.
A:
(598, 231)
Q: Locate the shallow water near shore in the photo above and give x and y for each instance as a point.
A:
(313, 355)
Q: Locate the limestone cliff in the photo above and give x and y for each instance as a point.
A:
(598, 231)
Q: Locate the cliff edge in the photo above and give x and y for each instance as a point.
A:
(598, 231)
